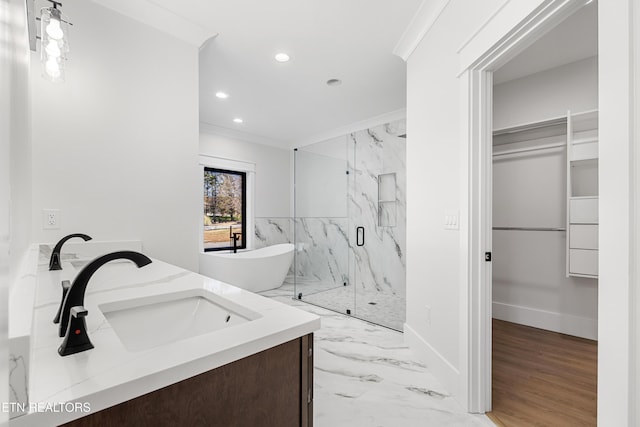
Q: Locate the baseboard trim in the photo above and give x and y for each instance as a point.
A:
(582, 327)
(438, 365)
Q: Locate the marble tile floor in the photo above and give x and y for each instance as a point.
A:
(366, 377)
(381, 308)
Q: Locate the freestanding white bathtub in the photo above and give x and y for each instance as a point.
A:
(255, 270)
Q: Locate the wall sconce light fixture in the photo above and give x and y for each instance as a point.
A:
(54, 42)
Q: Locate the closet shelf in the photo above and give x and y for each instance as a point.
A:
(530, 228)
(580, 141)
(583, 151)
(584, 162)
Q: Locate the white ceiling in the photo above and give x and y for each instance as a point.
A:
(289, 104)
(573, 39)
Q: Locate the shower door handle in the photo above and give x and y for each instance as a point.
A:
(360, 236)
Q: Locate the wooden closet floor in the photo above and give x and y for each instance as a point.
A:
(542, 378)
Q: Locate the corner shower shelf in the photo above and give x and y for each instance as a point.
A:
(387, 200)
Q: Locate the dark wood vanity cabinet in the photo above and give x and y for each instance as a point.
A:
(273, 388)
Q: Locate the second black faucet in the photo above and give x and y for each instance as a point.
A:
(55, 262)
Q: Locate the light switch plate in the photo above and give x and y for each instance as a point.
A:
(451, 220)
(51, 219)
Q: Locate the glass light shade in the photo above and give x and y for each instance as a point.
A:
(52, 68)
(54, 30)
(50, 20)
(54, 45)
(53, 49)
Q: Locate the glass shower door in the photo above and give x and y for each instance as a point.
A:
(321, 225)
(350, 224)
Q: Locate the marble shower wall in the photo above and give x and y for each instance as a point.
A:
(322, 250)
(379, 265)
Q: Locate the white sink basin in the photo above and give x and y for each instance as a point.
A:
(147, 322)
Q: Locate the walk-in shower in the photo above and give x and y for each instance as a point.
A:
(350, 224)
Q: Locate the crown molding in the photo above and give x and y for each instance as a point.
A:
(160, 18)
(319, 137)
(424, 18)
(242, 136)
(353, 127)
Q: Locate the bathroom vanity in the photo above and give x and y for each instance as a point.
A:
(162, 355)
(270, 388)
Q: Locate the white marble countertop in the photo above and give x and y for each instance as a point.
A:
(109, 374)
(22, 295)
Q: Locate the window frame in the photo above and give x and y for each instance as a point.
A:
(243, 209)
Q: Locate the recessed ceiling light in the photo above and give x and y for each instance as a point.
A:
(222, 95)
(282, 57)
(334, 82)
(237, 120)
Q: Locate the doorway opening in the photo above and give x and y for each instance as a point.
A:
(526, 184)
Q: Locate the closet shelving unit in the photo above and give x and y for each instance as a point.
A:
(582, 194)
(582, 181)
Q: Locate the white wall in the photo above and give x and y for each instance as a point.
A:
(433, 188)
(273, 170)
(436, 161)
(15, 195)
(547, 94)
(115, 147)
(15, 214)
(529, 190)
(635, 355)
(616, 121)
(20, 128)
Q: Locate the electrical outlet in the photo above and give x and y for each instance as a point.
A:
(427, 311)
(51, 219)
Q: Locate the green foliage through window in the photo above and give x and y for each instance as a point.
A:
(224, 205)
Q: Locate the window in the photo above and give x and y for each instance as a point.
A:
(225, 202)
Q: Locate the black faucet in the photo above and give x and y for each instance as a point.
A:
(54, 262)
(72, 322)
(236, 237)
(65, 288)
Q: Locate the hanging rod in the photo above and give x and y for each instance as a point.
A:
(525, 150)
(530, 228)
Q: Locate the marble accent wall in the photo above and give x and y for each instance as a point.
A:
(272, 231)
